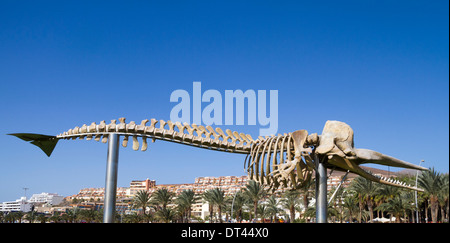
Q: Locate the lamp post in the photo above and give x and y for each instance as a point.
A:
(415, 192)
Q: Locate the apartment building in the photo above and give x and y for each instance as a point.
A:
(19, 205)
(137, 185)
(46, 198)
(229, 184)
(98, 194)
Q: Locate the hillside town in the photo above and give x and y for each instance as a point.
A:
(91, 199)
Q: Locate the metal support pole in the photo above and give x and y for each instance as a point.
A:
(111, 178)
(321, 190)
(339, 186)
(415, 194)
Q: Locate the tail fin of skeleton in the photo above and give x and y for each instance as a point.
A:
(45, 142)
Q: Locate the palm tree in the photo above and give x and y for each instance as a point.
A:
(272, 208)
(366, 191)
(209, 198)
(185, 201)
(290, 201)
(132, 218)
(41, 218)
(311, 211)
(142, 200)
(397, 206)
(255, 192)
(385, 193)
(72, 214)
(31, 216)
(239, 202)
(432, 182)
(444, 197)
(162, 197)
(218, 197)
(165, 214)
(350, 204)
(305, 190)
(89, 216)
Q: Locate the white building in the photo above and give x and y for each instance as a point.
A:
(46, 198)
(19, 205)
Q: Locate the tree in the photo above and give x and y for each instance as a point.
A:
(208, 197)
(444, 197)
(162, 197)
(31, 216)
(218, 198)
(432, 182)
(185, 201)
(142, 200)
(366, 191)
(272, 208)
(397, 206)
(166, 215)
(254, 192)
(350, 204)
(290, 201)
(385, 193)
(239, 202)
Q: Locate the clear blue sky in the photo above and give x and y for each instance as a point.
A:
(380, 66)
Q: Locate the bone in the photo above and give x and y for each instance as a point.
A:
(161, 130)
(189, 136)
(180, 127)
(211, 130)
(188, 128)
(135, 143)
(207, 139)
(112, 126)
(144, 144)
(313, 139)
(92, 128)
(102, 126)
(171, 125)
(299, 138)
(271, 151)
(151, 129)
(216, 136)
(125, 141)
(244, 138)
(122, 127)
(131, 127)
(237, 137)
(197, 130)
(233, 139)
(197, 139)
(75, 130)
(263, 155)
(255, 163)
(224, 143)
(179, 135)
(204, 130)
(105, 138)
(141, 128)
(83, 130)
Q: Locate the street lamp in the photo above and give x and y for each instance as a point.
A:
(415, 192)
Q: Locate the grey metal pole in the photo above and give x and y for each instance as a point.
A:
(111, 178)
(415, 194)
(321, 191)
(339, 186)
